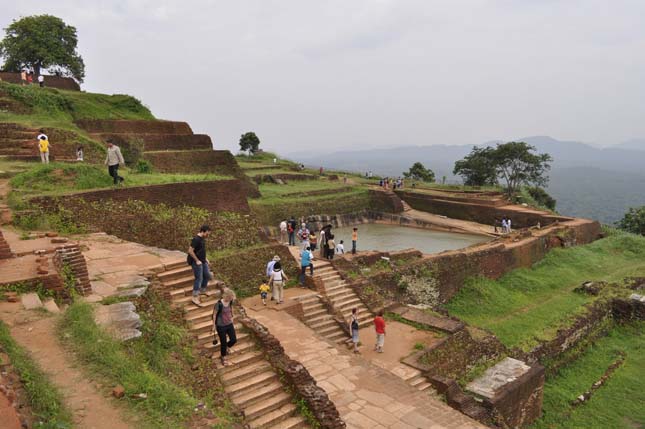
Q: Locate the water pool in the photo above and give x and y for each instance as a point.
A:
(393, 237)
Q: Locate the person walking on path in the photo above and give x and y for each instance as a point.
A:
(354, 240)
(198, 261)
(283, 231)
(269, 270)
(264, 291)
(303, 236)
(353, 328)
(291, 228)
(43, 147)
(331, 247)
(277, 281)
(379, 327)
(313, 241)
(79, 154)
(223, 324)
(305, 261)
(113, 159)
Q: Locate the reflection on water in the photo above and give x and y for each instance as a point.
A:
(392, 237)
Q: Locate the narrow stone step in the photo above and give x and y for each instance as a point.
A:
(318, 318)
(182, 271)
(337, 287)
(337, 336)
(328, 330)
(294, 422)
(177, 264)
(424, 386)
(231, 375)
(345, 301)
(251, 383)
(312, 314)
(270, 411)
(243, 359)
(248, 399)
(179, 283)
(241, 347)
(323, 324)
(340, 293)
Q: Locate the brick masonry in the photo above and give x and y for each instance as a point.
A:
(5, 251)
(129, 126)
(71, 256)
(157, 142)
(195, 162)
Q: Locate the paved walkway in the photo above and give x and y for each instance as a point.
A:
(366, 395)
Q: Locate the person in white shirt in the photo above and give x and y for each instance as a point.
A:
(340, 248)
(41, 80)
(283, 231)
(113, 160)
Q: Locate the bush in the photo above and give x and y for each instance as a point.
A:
(633, 221)
(143, 167)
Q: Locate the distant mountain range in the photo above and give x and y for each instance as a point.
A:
(587, 181)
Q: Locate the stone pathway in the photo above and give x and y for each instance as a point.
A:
(366, 395)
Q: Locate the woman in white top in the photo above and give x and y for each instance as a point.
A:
(277, 280)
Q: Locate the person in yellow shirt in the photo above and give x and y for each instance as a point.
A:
(264, 291)
(43, 147)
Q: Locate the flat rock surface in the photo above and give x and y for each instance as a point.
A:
(30, 301)
(419, 316)
(120, 320)
(502, 373)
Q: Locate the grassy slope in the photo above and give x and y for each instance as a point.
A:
(530, 304)
(617, 404)
(44, 398)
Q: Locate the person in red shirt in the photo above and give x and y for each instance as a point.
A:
(379, 326)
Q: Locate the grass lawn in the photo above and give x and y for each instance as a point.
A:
(60, 178)
(527, 305)
(618, 403)
(270, 190)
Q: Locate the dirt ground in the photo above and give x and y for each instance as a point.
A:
(89, 402)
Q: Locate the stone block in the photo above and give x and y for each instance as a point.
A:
(51, 306)
(31, 301)
(134, 292)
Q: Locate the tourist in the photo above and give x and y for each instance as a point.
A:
(277, 280)
(379, 327)
(30, 78)
(370, 173)
(303, 236)
(504, 225)
(340, 248)
(198, 261)
(223, 324)
(41, 81)
(270, 265)
(264, 290)
(113, 159)
(313, 241)
(23, 77)
(495, 224)
(291, 229)
(353, 328)
(354, 240)
(79, 153)
(323, 243)
(331, 247)
(305, 262)
(43, 147)
(283, 231)
(508, 225)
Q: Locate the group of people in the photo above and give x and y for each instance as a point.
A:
(310, 241)
(503, 226)
(27, 78)
(44, 144)
(391, 183)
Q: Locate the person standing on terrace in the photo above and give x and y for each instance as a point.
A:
(198, 261)
(113, 159)
(43, 147)
(283, 231)
(291, 228)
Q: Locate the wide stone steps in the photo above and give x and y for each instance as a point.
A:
(312, 321)
(178, 272)
(323, 324)
(256, 381)
(241, 347)
(258, 394)
(234, 375)
(267, 406)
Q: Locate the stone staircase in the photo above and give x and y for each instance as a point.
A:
(18, 143)
(419, 381)
(251, 382)
(406, 206)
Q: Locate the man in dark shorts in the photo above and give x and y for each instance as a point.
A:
(197, 259)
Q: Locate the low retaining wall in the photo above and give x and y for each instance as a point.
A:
(153, 142)
(133, 126)
(214, 196)
(70, 258)
(296, 376)
(195, 162)
(57, 82)
(5, 250)
(478, 211)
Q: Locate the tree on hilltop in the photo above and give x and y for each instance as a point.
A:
(249, 142)
(42, 42)
(419, 172)
(514, 162)
(633, 221)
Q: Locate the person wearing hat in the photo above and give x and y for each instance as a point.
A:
(277, 281)
(269, 270)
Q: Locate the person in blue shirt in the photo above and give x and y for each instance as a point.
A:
(305, 261)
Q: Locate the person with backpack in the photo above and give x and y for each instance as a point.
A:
(305, 261)
(223, 324)
(291, 229)
(353, 328)
(198, 261)
(277, 281)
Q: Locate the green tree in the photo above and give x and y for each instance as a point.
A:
(542, 197)
(517, 165)
(633, 221)
(477, 168)
(249, 142)
(419, 172)
(42, 42)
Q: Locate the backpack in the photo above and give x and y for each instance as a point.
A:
(217, 309)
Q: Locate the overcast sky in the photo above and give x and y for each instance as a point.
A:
(306, 75)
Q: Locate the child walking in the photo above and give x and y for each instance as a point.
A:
(379, 327)
(264, 292)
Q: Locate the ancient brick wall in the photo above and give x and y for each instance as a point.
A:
(195, 161)
(50, 81)
(214, 196)
(157, 142)
(5, 251)
(133, 126)
(296, 376)
(477, 211)
(70, 258)
(385, 202)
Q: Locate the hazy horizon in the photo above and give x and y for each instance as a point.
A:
(338, 75)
